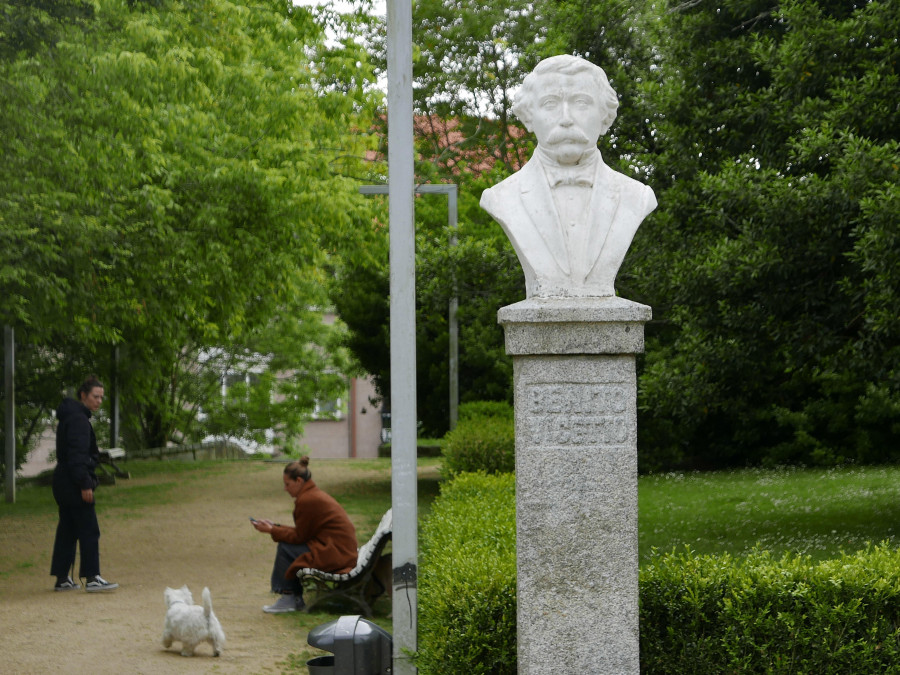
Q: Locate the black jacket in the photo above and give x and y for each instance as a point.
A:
(77, 455)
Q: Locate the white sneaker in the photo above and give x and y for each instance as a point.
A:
(67, 585)
(285, 603)
(98, 583)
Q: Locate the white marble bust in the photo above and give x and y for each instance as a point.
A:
(570, 218)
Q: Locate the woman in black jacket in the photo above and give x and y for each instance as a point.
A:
(74, 481)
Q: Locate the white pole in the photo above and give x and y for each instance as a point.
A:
(403, 333)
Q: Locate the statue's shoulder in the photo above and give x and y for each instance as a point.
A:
(507, 187)
(622, 180)
(635, 192)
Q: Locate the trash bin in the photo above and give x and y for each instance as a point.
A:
(321, 665)
(360, 647)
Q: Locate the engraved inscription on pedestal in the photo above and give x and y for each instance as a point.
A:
(574, 415)
(571, 431)
(576, 513)
(575, 398)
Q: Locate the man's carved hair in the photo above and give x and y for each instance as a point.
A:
(566, 65)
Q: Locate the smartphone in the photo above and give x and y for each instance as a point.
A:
(253, 520)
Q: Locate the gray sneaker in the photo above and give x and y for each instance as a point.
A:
(285, 603)
(67, 585)
(98, 584)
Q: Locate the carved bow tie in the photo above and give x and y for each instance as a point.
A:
(582, 176)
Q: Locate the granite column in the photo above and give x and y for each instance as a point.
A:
(576, 482)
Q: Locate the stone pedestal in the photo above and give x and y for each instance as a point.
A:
(576, 482)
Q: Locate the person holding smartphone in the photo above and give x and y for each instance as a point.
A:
(322, 537)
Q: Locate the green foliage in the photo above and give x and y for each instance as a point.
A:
(289, 365)
(468, 59)
(619, 37)
(475, 409)
(467, 583)
(38, 389)
(771, 262)
(28, 25)
(480, 443)
(170, 170)
(483, 270)
(714, 614)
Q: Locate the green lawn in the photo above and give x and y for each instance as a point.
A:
(819, 512)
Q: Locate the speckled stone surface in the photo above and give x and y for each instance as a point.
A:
(576, 482)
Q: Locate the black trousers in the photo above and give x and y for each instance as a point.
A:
(77, 525)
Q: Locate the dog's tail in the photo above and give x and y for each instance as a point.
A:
(207, 603)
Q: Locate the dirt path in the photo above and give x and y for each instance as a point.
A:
(199, 536)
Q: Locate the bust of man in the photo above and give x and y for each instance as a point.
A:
(569, 217)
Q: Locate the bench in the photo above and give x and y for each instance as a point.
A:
(362, 584)
(109, 457)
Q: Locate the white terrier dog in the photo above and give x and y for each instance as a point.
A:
(191, 624)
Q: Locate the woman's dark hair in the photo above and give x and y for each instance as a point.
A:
(89, 385)
(298, 469)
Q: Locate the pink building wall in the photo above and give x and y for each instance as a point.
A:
(355, 434)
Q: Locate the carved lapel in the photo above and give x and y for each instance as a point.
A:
(539, 208)
(602, 213)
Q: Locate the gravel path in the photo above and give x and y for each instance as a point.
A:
(200, 537)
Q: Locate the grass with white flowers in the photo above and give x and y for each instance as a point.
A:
(816, 512)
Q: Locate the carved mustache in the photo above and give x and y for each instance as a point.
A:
(569, 135)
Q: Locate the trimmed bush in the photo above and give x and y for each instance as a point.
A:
(467, 582)
(715, 614)
(480, 444)
(474, 409)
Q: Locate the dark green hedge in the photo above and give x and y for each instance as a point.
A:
(480, 443)
(473, 409)
(700, 615)
(467, 583)
(717, 614)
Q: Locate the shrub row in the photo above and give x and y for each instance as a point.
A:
(717, 614)
(699, 615)
(483, 440)
(467, 582)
